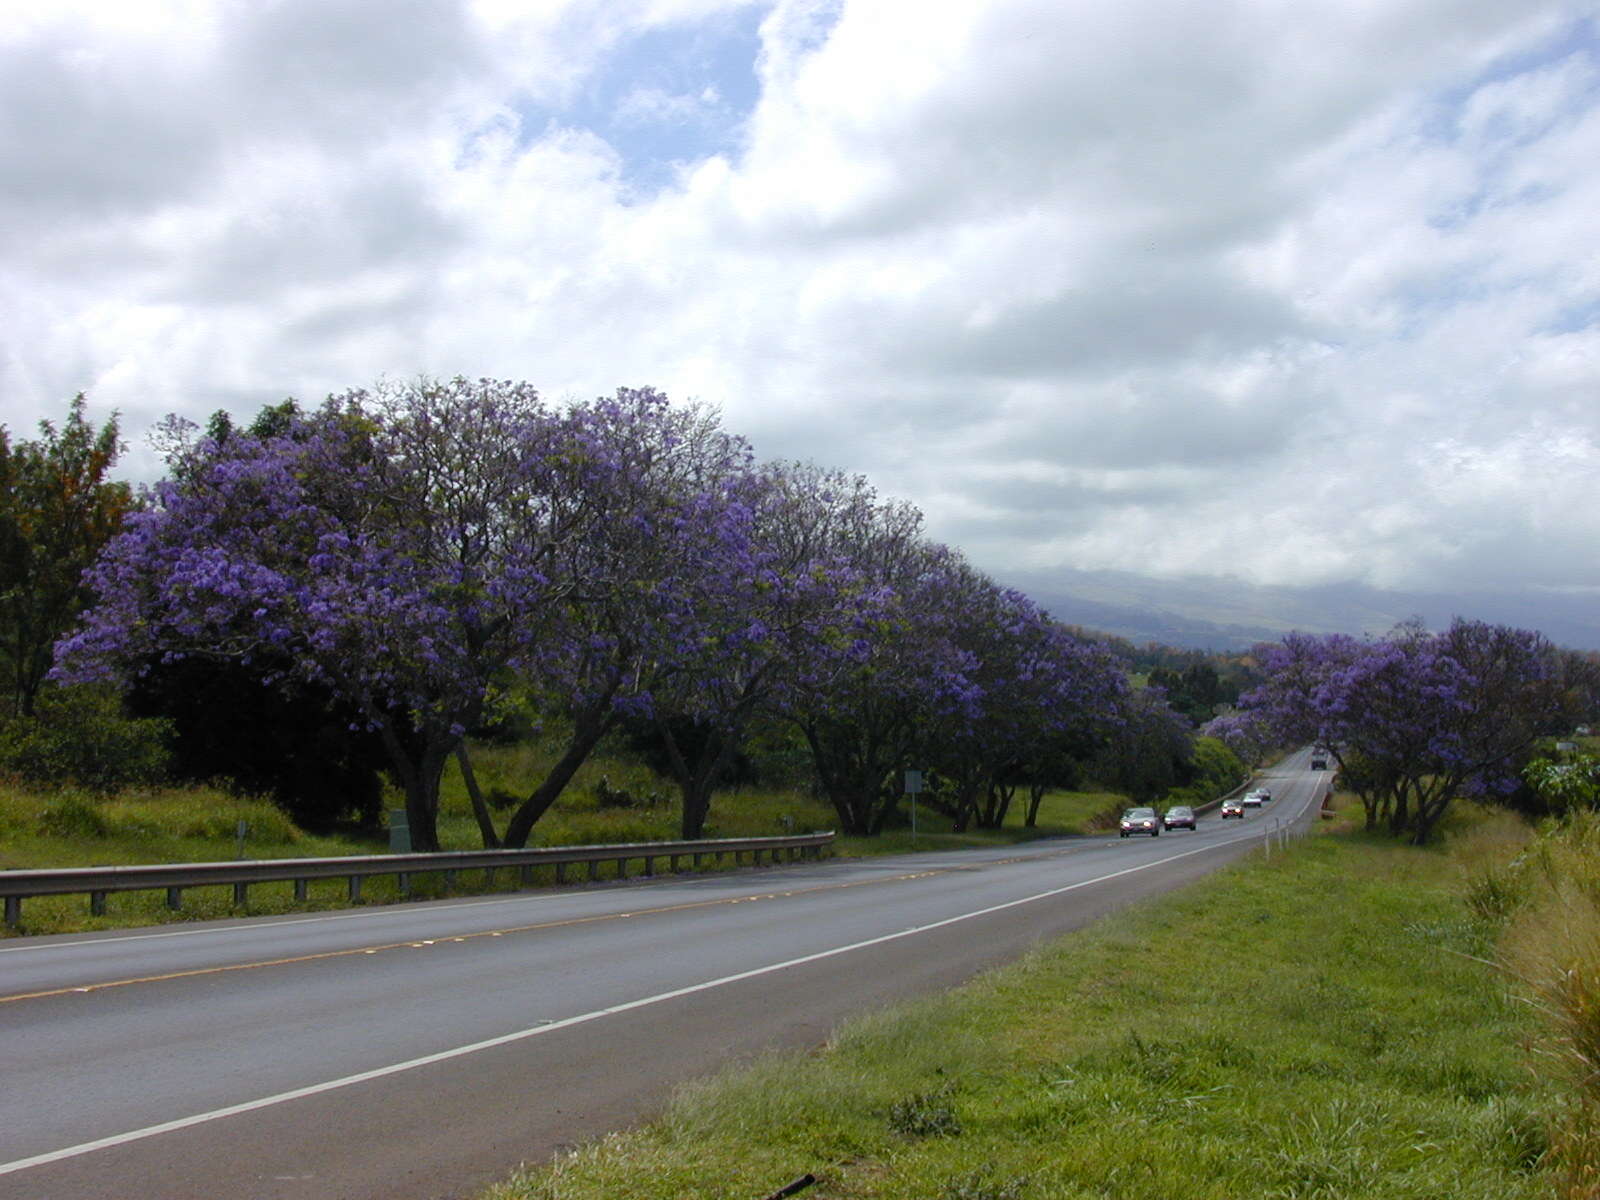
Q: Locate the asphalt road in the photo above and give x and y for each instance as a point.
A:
(425, 1050)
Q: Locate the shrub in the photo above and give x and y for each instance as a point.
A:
(75, 817)
(80, 737)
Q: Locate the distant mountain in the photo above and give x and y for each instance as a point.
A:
(1225, 614)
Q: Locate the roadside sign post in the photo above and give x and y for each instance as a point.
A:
(913, 786)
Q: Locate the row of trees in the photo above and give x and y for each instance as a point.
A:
(421, 555)
(1416, 719)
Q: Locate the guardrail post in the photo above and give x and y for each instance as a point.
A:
(402, 883)
(594, 869)
(97, 904)
(649, 865)
(561, 873)
(622, 868)
(174, 898)
(13, 910)
(355, 889)
(525, 875)
(241, 895)
(301, 889)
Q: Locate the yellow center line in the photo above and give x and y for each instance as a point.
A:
(463, 937)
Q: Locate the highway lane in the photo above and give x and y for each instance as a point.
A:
(422, 1050)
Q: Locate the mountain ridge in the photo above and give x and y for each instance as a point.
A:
(1224, 614)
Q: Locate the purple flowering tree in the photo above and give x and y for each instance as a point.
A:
(1415, 719)
(897, 669)
(1071, 701)
(1039, 697)
(667, 551)
(400, 546)
(766, 627)
(1244, 733)
(1149, 747)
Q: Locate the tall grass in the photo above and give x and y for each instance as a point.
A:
(1548, 899)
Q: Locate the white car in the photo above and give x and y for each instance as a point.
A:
(1253, 799)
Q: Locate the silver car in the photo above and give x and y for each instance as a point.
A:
(1140, 820)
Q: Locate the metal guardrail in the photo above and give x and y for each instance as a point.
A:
(98, 882)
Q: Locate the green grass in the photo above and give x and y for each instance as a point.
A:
(66, 829)
(1313, 1025)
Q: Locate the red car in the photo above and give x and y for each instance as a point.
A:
(1233, 806)
(1179, 816)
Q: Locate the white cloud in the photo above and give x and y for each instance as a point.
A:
(1152, 286)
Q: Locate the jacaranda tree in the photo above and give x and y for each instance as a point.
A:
(666, 550)
(766, 630)
(902, 671)
(1416, 719)
(403, 546)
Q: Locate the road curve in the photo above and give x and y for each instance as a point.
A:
(425, 1050)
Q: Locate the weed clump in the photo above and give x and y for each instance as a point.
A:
(74, 815)
(925, 1115)
(981, 1185)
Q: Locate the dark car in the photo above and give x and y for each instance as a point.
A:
(1319, 762)
(1233, 806)
(1265, 794)
(1179, 816)
(1140, 820)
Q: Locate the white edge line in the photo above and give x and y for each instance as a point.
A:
(122, 1139)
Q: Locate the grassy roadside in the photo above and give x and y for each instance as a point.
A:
(1315, 1025)
(60, 829)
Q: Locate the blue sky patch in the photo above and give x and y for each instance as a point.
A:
(670, 95)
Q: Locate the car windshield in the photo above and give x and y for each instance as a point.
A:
(1180, 811)
(1134, 814)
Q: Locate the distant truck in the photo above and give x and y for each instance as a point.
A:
(1319, 762)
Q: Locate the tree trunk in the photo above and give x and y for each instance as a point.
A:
(480, 810)
(1400, 814)
(854, 808)
(419, 778)
(592, 725)
(966, 805)
(1000, 797)
(1036, 793)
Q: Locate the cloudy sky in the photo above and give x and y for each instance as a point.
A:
(1300, 293)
